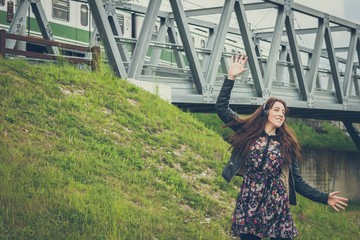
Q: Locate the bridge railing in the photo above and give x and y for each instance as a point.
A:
(93, 61)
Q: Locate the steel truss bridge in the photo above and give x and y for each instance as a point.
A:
(288, 70)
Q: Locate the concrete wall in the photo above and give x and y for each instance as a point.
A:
(332, 170)
(162, 90)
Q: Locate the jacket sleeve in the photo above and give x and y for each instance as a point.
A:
(305, 189)
(225, 113)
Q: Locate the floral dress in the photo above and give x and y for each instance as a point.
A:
(262, 208)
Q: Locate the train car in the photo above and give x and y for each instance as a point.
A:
(71, 22)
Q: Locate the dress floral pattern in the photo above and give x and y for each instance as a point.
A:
(262, 207)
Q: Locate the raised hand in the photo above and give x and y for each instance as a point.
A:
(237, 66)
(336, 202)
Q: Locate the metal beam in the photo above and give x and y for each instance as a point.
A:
(315, 13)
(258, 52)
(218, 46)
(358, 45)
(218, 10)
(346, 25)
(202, 12)
(18, 22)
(249, 47)
(337, 50)
(225, 65)
(258, 6)
(318, 83)
(301, 31)
(274, 49)
(350, 63)
(315, 59)
(209, 45)
(142, 44)
(330, 83)
(179, 59)
(156, 52)
(307, 50)
(110, 10)
(207, 24)
(93, 41)
(188, 44)
(333, 63)
(356, 81)
(231, 30)
(290, 69)
(319, 14)
(280, 68)
(295, 53)
(137, 8)
(43, 24)
(107, 37)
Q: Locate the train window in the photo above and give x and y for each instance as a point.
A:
(84, 15)
(2, 2)
(120, 18)
(61, 9)
(202, 43)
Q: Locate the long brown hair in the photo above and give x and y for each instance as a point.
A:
(252, 127)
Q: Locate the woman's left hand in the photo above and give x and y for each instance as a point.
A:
(336, 202)
(237, 67)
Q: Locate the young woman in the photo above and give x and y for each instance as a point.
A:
(265, 152)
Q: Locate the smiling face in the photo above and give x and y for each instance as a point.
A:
(276, 115)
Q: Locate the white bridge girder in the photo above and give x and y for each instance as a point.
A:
(263, 74)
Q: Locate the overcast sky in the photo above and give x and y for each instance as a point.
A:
(346, 9)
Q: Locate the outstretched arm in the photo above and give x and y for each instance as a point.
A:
(223, 110)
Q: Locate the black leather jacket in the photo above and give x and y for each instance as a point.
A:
(296, 182)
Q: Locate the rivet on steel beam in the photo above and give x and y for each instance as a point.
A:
(287, 7)
(326, 20)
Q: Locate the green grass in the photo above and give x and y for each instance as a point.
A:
(88, 156)
(331, 137)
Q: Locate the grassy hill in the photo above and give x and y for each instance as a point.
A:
(88, 156)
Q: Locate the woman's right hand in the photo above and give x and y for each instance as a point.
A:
(237, 66)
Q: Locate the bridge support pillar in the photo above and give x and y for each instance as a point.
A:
(354, 134)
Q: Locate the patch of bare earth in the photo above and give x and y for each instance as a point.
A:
(119, 139)
(132, 102)
(67, 91)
